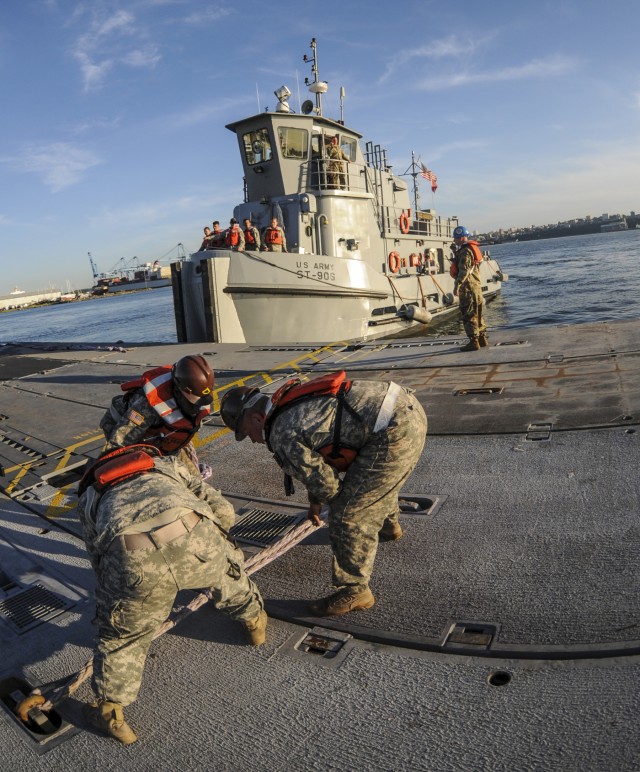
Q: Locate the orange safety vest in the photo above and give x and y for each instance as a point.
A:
(273, 236)
(477, 254)
(233, 237)
(294, 392)
(118, 465)
(248, 236)
(177, 429)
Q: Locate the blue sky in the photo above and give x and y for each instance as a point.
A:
(112, 137)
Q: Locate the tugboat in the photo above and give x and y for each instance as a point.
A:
(361, 261)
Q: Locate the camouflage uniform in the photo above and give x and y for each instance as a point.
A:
(136, 588)
(255, 233)
(129, 418)
(336, 176)
(470, 293)
(367, 496)
(270, 246)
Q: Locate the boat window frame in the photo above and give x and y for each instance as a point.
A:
(285, 145)
(254, 138)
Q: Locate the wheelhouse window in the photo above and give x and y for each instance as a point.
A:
(348, 147)
(257, 146)
(293, 142)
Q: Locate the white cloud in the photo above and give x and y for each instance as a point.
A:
(537, 68)
(107, 42)
(147, 57)
(207, 15)
(60, 164)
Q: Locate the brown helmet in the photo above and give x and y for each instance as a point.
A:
(193, 375)
(234, 403)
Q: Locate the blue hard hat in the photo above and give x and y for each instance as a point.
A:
(460, 232)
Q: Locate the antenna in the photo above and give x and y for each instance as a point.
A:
(342, 96)
(317, 86)
(258, 97)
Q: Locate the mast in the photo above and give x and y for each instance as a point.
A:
(412, 171)
(316, 86)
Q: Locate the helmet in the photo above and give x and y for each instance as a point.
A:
(193, 375)
(233, 405)
(460, 232)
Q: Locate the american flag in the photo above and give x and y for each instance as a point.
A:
(424, 172)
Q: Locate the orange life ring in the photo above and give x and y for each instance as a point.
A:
(404, 221)
(394, 262)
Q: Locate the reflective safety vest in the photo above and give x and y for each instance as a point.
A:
(273, 235)
(233, 237)
(177, 429)
(477, 254)
(294, 392)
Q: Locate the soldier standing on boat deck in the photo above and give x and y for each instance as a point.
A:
(387, 427)
(251, 236)
(465, 270)
(274, 239)
(164, 407)
(150, 535)
(336, 176)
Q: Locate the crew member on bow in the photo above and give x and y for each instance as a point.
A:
(374, 431)
(251, 236)
(465, 269)
(274, 238)
(152, 527)
(164, 407)
(234, 237)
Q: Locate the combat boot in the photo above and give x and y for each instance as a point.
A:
(483, 341)
(390, 531)
(256, 629)
(342, 602)
(108, 717)
(472, 345)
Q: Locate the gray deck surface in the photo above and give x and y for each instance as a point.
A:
(533, 538)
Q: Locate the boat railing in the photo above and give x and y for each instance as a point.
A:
(326, 174)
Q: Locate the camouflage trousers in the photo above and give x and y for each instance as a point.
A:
(369, 494)
(136, 590)
(471, 309)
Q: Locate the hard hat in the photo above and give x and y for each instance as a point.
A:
(460, 232)
(193, 375)
(233, 405)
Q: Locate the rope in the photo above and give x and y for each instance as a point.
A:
(253, 564)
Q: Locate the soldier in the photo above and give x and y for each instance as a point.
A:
(378, 427)
(465, 269)
(149, 536)
(206, 241)
(234, 237)
(251, 236)
(164, 407)
(336, 176)
(274, 238)
(217, 235)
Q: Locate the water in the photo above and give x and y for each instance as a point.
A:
(551, 281)
(137, 317)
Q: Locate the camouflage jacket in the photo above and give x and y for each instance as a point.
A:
(468, 269)
(170, 486)
(299, 431)
(128, 419)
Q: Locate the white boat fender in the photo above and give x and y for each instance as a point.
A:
(448, 299)
(417, 314)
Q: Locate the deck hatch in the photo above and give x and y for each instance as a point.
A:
(262, 527)
(539, 432)
(471, 634)
(30, 607)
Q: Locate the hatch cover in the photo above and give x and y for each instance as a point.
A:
(262, 527)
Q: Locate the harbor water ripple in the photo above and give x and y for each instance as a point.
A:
(551, 281)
